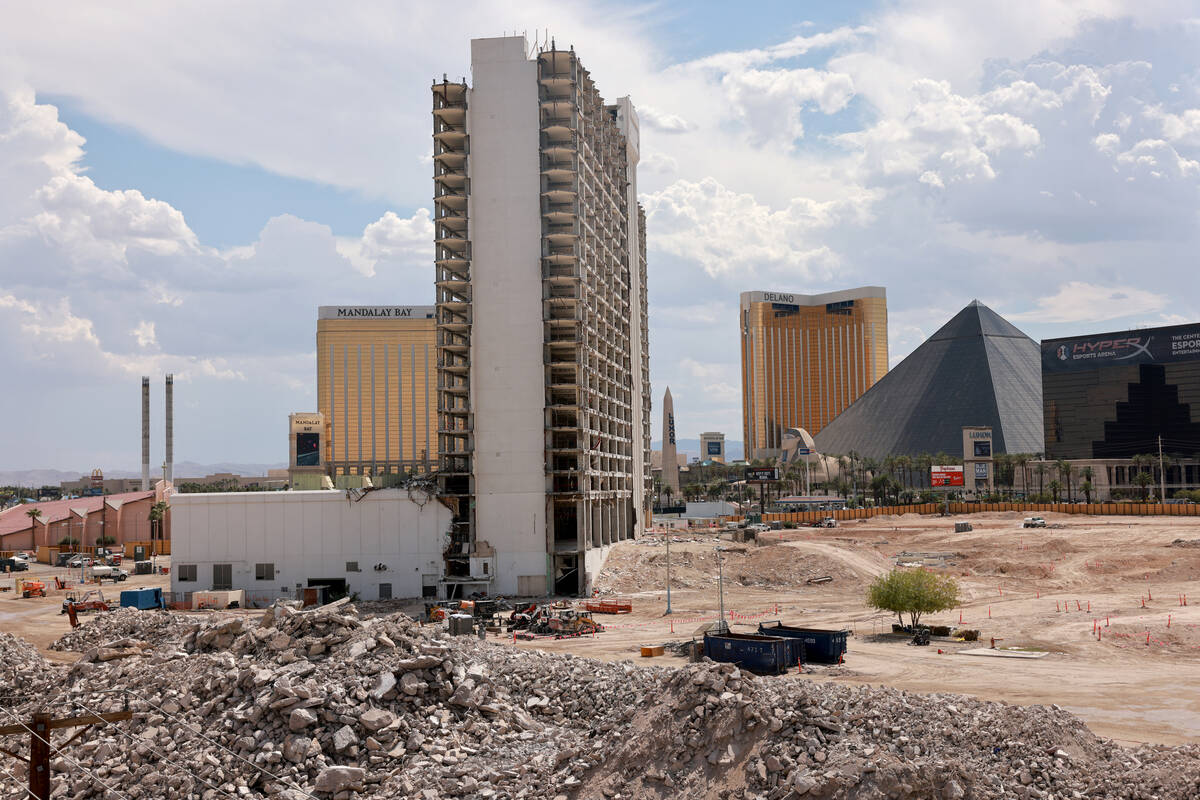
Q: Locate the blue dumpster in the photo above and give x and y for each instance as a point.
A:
(767, 655)
(142, 599)
(820, 646)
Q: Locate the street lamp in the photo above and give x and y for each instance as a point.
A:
(668, 534)
(722, 627)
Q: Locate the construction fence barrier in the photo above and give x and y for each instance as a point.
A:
(957, 507)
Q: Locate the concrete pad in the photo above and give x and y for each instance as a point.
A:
(987, 651)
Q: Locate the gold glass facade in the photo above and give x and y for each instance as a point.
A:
(376, 383)
(805, 358)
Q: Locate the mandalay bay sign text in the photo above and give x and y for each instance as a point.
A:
(1169, 345)
(374, 312)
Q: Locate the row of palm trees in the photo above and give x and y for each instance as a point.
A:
(905, 479)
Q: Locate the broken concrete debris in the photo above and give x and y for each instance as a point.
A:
(322, 703)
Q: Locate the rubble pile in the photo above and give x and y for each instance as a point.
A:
(323, 703)
(791, 739)
(24, 673)
(108, 626)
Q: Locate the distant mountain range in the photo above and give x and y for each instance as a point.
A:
(191, 469)
(733, 450)
(183, 470)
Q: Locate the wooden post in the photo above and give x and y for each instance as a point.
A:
(39, 757)
(39, 728)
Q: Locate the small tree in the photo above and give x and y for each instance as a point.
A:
(34, 514)
(1087, 489)
(1143, 480)
(68, 541)
(1055, 487)
(913, 592)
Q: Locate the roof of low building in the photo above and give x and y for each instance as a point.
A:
(17, 518)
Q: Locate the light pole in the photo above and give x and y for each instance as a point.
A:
(721, 589)
(668, 534)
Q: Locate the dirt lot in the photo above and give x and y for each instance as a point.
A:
(1036, 585)
(40, 620)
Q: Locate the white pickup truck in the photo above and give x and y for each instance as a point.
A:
(1033, 522)
(104, 572)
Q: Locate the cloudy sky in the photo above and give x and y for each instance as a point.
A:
(181, 185)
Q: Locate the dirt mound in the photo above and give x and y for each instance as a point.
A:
(639, 567)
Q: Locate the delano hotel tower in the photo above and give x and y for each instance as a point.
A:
(805, 358)
(542, 348)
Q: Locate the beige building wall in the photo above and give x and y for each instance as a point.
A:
(806, 358)
(376, 384)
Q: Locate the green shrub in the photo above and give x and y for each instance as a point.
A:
(913, 592)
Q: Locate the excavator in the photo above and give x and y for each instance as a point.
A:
(91, 601)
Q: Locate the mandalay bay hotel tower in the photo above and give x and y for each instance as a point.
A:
(806, 358)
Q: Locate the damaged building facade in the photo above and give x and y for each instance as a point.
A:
(542, 341)
(377, 544)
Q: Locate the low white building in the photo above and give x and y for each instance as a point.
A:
(378, 544)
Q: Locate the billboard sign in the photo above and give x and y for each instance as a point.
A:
(1170, 345)
(308, 450)
(982, 449)
(948, 475)
(714, 448)
(981, 470)
(760, 474)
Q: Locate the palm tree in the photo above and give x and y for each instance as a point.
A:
(1143, 480)
(924, 463)
(34, 514)
(1022, 461)
(1064, 471)
(158, 513)
(904, 464)
(1086, 487)
(1040, 470)
(1055, 488)
(879, 488)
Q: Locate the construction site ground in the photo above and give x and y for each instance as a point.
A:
(40, 619)
(1036, 584)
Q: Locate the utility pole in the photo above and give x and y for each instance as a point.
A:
(39, 728)
(722, 627)
(668, 534)
(1162, 474)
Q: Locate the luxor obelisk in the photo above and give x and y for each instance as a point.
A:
(670, 462)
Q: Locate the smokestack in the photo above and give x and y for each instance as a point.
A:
(145, 433)
(170, 471)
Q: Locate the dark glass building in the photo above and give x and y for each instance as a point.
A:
(1112, 395)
